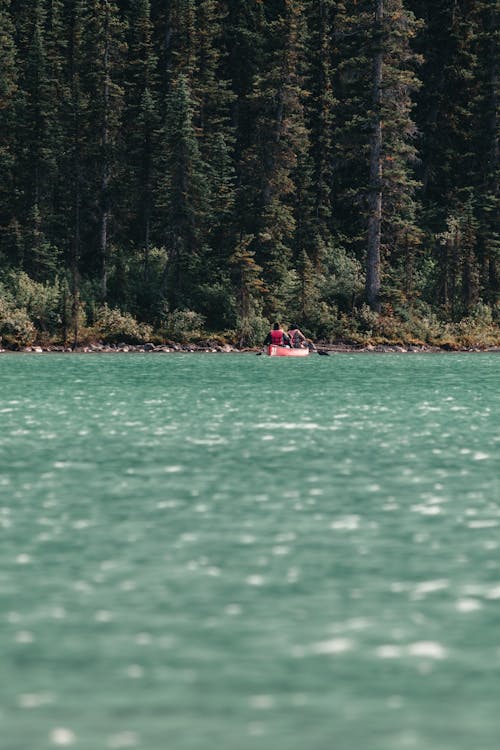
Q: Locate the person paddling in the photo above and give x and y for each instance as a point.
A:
(277, 336)
(299, 341)
(296, 336)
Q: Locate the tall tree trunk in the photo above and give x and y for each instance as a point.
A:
(147, 231)
(372, 288)
(76, 239)
(75, 278)
(103, 232)
(494, 98)
(493, 262)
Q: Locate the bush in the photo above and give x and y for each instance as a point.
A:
(112, 326)
(388, 328)
(16, 328)
(183, 325)
(324, 322)
(342, 281)
(477, 329)
(42, 302)
(217, 304)
(253, 329)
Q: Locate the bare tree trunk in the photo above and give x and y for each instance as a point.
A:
(76, 166)
(493, 261)
(103, 232)
(494, 99)
(103, 236)
(147, 232)
(372, 288)
(409, 262)
(75, 278)
(75, 243)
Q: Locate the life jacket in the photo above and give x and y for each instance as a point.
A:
(277, 338)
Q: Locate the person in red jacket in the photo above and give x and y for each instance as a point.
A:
(277, 336)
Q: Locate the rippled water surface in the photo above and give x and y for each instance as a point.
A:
(225, 552)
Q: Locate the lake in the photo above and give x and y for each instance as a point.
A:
(225, 552)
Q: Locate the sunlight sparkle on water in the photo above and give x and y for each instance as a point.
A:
(209, 553)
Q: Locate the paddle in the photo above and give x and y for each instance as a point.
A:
(313, 349)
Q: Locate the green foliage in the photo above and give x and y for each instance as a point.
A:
(184, 197)
(183, 325)
(252, 329)
(113, 326)
(218, 160)
(16, 328)
(42, 301)
(342, 279)
(325, 323)
(478, 329)
(217, 304)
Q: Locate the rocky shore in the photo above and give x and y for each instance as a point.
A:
(210, 347)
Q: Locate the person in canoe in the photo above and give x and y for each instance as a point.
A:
(297, 338)
(277, 336)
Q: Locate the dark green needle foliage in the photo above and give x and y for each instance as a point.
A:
(334, 162)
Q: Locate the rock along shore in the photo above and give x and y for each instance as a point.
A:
(209, 347)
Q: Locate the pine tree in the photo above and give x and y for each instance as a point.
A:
(280, 137)
(457, 117)
(105, 48)
(260, 153)
(213, 100)
(76, 162)
(176, 31)
(39, 136)
(320, 106)
(375, 151)
(142, 122)
(184, 196)
(8, 88)
(56, 47)
(486, 145)
(247, 279)
(8, 68)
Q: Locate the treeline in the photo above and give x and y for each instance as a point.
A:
(214, 165)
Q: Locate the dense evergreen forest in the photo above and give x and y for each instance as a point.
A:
(183, 168)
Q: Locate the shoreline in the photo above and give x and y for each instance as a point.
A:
(149, 348)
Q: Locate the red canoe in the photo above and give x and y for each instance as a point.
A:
(284, 351)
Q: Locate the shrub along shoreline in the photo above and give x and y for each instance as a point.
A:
(41, 316)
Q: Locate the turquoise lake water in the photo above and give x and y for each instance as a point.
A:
(229, 552)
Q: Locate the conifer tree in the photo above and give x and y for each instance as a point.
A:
(8, 67)
(247, 279)
(8, 87)
(261, 153)
(142, 122)
(485, 145)
(76, 162)
(176, 23)
(280, 137)
(105, 47)
(375, 151)
(212, 98)
(56, 45)
(320, 107)
(457, 116)
(38, 135)
(183, 196)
